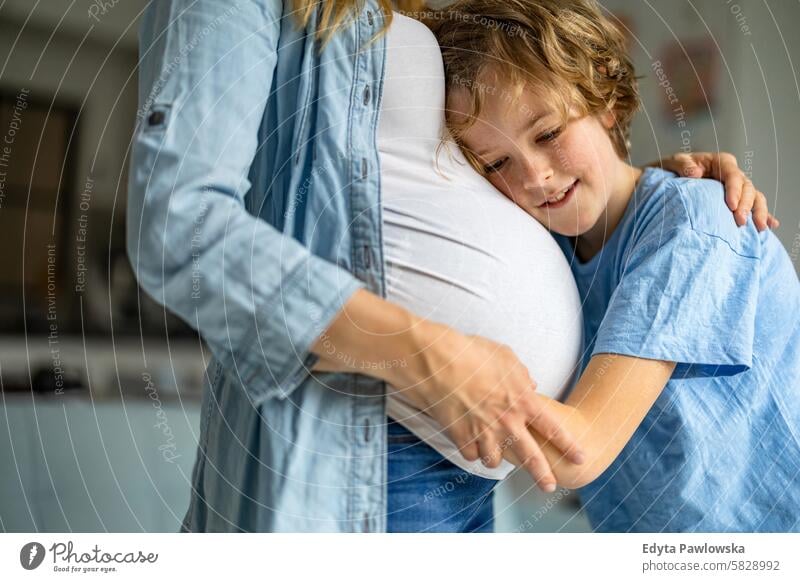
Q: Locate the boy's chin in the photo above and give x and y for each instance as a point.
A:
(567, 230)
(568, 225)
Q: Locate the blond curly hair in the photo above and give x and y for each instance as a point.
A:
(563, 48)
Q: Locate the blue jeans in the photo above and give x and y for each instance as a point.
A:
(428, 493)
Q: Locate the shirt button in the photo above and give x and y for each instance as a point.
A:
(363, 168)
(156, 118)
(367, 95)
(367, 430)
(369, 17)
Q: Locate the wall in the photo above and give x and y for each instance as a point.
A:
(755, 98)
(96, 78)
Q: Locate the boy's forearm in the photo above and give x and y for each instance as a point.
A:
(611, 399)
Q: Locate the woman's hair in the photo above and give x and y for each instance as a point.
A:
(336, 13)
(564, 49)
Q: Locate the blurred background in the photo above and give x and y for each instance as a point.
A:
(101, 387)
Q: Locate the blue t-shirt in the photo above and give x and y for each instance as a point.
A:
(679, 281)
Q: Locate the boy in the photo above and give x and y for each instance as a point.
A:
(691, 375)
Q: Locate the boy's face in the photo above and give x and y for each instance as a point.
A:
(563, 176)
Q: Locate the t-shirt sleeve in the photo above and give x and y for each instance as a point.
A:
(687, 297)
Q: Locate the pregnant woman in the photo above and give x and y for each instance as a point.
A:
(271, 211)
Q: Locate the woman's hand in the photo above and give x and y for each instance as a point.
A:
(605, 408)
(740, 194)
(476, 389)
(485, 399)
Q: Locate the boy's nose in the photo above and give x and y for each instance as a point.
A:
(538, 174)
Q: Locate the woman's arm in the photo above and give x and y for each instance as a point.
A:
(477, 389)
(247, 288)
(609, 402)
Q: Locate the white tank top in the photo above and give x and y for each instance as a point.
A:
(456, 250)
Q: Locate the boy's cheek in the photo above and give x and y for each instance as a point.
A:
(509, 186)
(526, 202)
(505, 188)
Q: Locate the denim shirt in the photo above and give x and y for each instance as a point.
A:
(254, 214)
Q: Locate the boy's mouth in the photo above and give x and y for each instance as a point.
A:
(560, 198)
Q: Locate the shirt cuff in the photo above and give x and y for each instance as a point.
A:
(274, 356)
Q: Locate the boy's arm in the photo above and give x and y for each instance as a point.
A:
(609, 402)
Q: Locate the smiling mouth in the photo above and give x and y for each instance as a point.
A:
(561, 198)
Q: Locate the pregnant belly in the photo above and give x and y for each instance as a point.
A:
(459, 253)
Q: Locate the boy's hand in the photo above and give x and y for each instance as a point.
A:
(740, 194)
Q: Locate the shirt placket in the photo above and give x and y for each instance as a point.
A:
(367, 503)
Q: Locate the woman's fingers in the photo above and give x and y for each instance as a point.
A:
(761, 215)
(735, 190)
(470, 451)
(548, 425)
(719, 166)
(687, 166)
(746, 202)
(518, 446)
(760, 211)
(530, 456)
(741, 196)
(682, 164)
(740, 193)
(511, 457)
(491, 451)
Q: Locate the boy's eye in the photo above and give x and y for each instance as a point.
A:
(494, 166)
(549, 135)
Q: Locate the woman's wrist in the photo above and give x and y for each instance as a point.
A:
(430, 347)
(375, 337)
